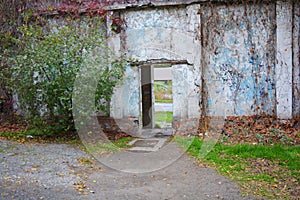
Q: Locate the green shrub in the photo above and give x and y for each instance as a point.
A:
(45, 64)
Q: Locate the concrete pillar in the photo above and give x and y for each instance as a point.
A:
(284, 61)
(296, 61)
(116, 105)
(180, 91)
(114, 43)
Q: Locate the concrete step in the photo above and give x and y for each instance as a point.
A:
(147, 144)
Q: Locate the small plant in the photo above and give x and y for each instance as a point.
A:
(235, 130)
(223, 138)
(260, 138)
(276, 131)
(247, 132)
(285, 139)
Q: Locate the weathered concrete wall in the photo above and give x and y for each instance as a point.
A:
(241, 59)
(163, 35)
(284, 59)
(296, 60)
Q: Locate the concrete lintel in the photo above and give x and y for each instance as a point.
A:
(141, 5)
(147, 3)
(158, 62)
(151, 3)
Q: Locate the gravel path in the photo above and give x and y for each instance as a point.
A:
(60, 171)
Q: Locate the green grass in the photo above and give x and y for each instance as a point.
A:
(109, 147)
(164, 117)
(260, 170)
(122, 143)
(71, 138)
(164, 100)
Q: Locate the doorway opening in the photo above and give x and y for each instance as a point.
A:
(163, 96)
(156, 96)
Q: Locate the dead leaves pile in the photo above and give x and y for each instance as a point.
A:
(265, 130)
(8, 127)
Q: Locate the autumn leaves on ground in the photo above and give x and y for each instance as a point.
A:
(260, 153)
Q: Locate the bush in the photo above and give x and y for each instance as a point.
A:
(45, 65)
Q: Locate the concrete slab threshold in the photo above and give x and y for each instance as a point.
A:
(156, 132)
(147, 144)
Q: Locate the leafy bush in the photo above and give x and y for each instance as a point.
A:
(45, 65)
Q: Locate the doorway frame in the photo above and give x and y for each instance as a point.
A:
(150, 64)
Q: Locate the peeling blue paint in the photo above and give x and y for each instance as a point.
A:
(238, 59)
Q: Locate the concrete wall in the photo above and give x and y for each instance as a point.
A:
(296, 59)
(165, 35)
(239, 59)
(284, 58)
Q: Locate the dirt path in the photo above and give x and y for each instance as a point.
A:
(59, 171)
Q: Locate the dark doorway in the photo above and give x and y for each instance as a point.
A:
(147, 96)
(156, 96)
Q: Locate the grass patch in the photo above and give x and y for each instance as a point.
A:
(109, 147)
(10, 135)
(29, 136)
(164, 100)
(123, 142)
(70, 138)
(264, 171)
(164, 117)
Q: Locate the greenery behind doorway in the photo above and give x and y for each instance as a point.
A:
(163, 94)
